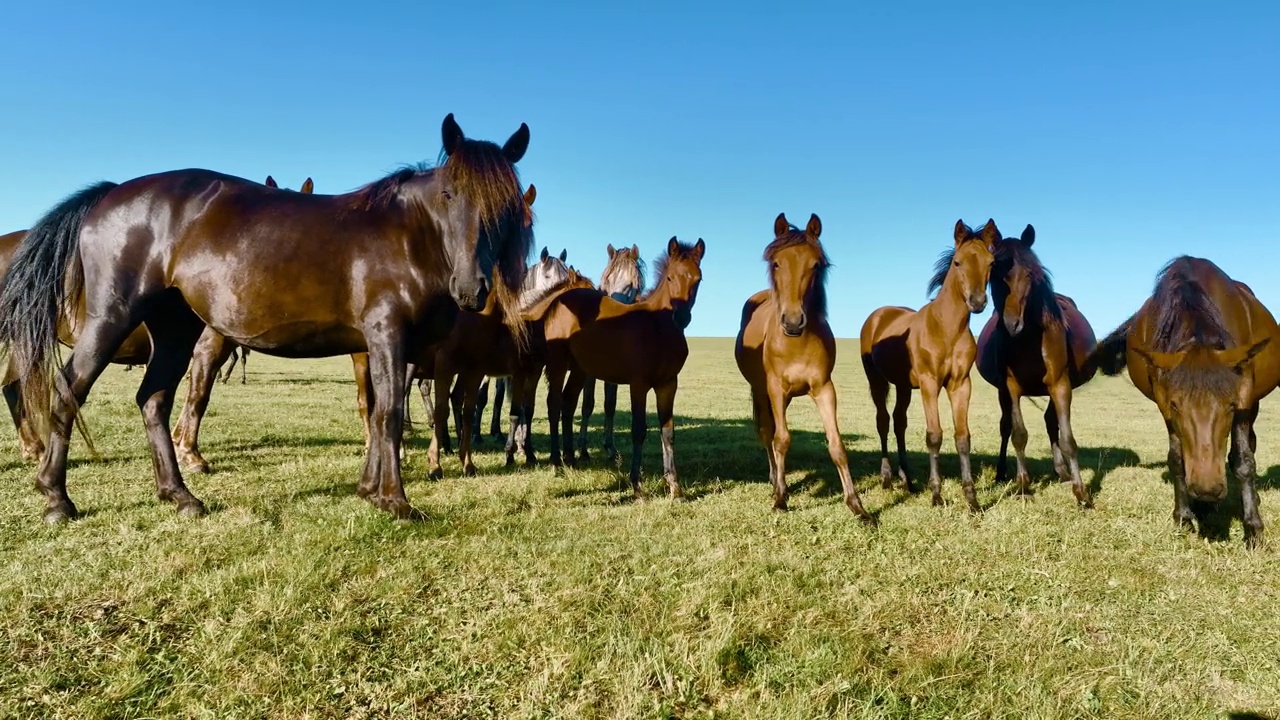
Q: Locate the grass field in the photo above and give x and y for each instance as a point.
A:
(530, 594)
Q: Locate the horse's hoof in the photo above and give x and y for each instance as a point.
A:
(396, 507)
(886, 482)
(192, 509)
(436, 474)
(60, 514)
(780, 507)
(678, 497)
(937, 501)
(470, 471)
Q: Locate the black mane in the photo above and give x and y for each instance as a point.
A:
(1012, 252)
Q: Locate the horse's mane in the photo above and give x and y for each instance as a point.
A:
(683, 250)
(1012, 252)
(574, 281)
(623, 273)
(793, 237)
(1186, 318)
(943, 264)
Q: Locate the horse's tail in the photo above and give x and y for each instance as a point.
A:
(1109, 357)
(43, 284)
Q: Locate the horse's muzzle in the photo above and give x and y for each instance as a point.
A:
(1014, 325)
(469, 295)
(794, 326)
(977, 303)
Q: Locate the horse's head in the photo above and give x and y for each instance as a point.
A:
(623, 276)
(797, 272)
(1199, 391)
(679, 273)
(1013, 277)
(971, 262)
(307, 185)
(547, 273)
(476, 203)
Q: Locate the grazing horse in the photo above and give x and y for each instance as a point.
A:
(1035, 345)
(931, 349)
(287, 274)
(589, 334)
(212, 350)
(622, 280)
(135, 351)
(786, 349)
(1202, 348)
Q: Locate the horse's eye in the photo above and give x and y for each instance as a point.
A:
(1173, 406)
(446, 194)
(956, 263)
(775, 266)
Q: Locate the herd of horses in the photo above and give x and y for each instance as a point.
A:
(425, 275)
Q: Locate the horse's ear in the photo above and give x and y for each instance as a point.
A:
(635, 250)
(517, 144)
(1160, 360)
(991, 234)
(271, 183)
(564, 255)
(673, 246)
(780, 225)
(1237, 358)
(1029, 236)
(814, 228)
(451, 134)
(612, 252)
(962, 232)
(699, 249)
(307, 187)
(544, 254)
(530, 195)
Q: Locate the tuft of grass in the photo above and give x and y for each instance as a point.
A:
(527, 593)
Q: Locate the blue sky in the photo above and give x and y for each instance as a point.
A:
(1126, 133)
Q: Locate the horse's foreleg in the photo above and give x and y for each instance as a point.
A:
(1061, 393)
(470, 387)
(958, 393)
(780, 443)
(440, 431)
(499, 394)
(364, 391)
(588, 407)
(212, 350)
(933, 432)
(1020, 436)
(1006, 429)
(1246, 472)
(825, 399)
(901, 402)
(572, 388)
(244, 365)
(639, 398)
(556, 370)
(879, 388)
(387, 368)
(477, 415)
(665, 401)
(1182, 514)
(610, 409)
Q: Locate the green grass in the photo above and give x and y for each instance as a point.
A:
(527, 594)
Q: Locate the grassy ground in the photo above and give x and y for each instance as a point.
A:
(527, 594)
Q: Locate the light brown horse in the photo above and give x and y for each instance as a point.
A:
(1035, 344)
(1203, 348)
(931, 349)
(642, 346)
(212, 350)
(786, 349)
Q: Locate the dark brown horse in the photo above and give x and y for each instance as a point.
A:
(589, 334)
(283, 273)
(786, 349)
(212, 350)
(1203, 349)
(622, 280)
(931, 349)
(1035, 345)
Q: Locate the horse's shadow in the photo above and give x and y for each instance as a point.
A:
(1213, 520)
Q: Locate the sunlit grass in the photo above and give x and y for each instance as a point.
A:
(530, 594)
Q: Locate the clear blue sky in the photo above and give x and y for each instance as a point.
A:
(1126, 133)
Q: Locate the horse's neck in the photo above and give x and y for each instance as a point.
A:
(659, 299)
(950, 308)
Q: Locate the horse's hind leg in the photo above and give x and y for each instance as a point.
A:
(174, 331)
(901, 402)
(499, 394)
(1006, 429)
(880, 396)
(364, 391)
(666, 406)
(470, 385)
(1020, 437)
(825, 399)
(610, 409)
(572, 387)
(588, 407)
(212, 350)
(233, 355)
(1061, 393)
(244, 365)
(762, 410)
(28, 439)
(1051, 429)
(477, 417)
(440, 431)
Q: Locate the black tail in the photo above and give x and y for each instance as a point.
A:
(1109, 357)
(45, 281)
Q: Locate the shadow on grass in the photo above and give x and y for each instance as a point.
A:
(1213, 520)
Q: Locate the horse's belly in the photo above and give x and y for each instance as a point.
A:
(303, 339)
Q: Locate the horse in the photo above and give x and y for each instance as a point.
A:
(931, 349)
(785, 349)
(481, 345)
(622, 280)
(589, 334)
(212, 350)
(287, 274)
(1034, 345)
(1202, 349)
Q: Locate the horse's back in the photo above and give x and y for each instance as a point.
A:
(884, 323)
